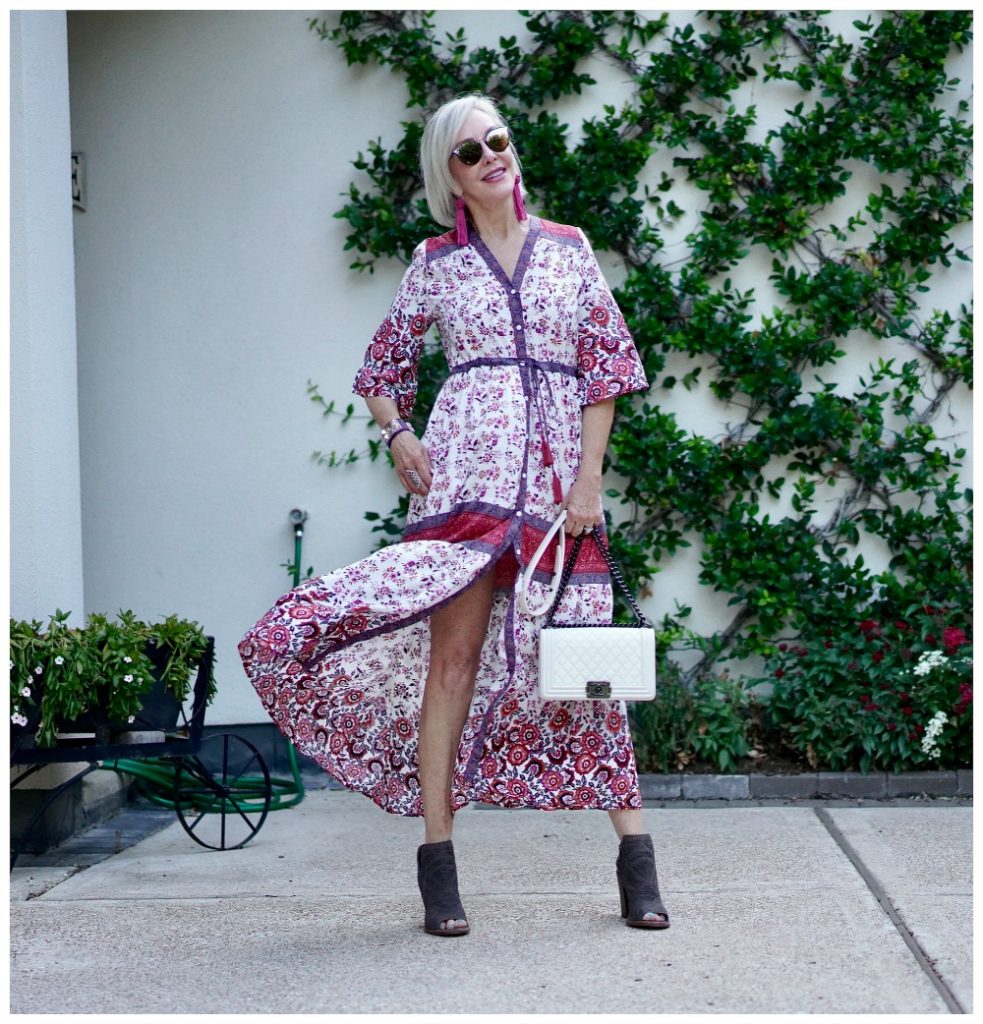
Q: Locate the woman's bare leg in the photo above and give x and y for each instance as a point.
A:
(457, 633)
(627, 821)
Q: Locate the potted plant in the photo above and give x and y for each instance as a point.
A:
(102, 677)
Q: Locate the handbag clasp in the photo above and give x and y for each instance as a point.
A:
(598, 689)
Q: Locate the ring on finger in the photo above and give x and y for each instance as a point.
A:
(414, 478)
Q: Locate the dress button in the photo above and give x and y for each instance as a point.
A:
(518, 515)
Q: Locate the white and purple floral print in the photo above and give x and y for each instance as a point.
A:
(341, 661)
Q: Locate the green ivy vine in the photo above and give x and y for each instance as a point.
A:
(806, 468)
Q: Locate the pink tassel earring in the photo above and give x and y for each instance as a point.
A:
(520, 208)
(461, 221)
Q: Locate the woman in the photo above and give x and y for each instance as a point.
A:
(411, 675)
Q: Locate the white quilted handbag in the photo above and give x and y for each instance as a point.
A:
(589, 661)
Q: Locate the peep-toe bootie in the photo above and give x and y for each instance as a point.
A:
(436, 875)
(638, 883)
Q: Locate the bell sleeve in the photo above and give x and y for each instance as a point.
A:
(389, 368)
(608, 364)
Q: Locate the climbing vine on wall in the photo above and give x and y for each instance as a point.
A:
(850, 204)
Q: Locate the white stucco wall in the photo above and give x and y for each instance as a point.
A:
(45, 517)
(212, 283)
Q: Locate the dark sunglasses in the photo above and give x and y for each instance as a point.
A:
(469, 152)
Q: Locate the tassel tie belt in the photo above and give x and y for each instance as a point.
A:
(543, 368)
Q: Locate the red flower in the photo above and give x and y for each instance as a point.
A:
(560, 719)
(869, 627)
(620, 784)
(592, 741)
(878, 655)
(953, 638)
(779, 673)
(783, 647)
(903, 626)
(907, 711)
(966, 698)
(891, 727)
(518, 754)
(529, 735)
(599, 316)
(403, 727)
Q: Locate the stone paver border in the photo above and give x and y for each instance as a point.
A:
(807, 785)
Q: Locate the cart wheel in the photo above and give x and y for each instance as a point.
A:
(222, 793)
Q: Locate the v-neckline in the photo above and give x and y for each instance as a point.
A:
(496, 268)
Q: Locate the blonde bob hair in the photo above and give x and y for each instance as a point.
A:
(438, 140)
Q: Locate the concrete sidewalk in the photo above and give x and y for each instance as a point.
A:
(822, 908)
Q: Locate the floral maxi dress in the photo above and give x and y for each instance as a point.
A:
(340, 662)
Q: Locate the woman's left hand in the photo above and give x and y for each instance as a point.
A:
(583, 505)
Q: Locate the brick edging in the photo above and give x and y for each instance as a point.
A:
(807, 785)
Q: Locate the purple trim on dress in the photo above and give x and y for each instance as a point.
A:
(568, 237)
(440, 246)
(481, 507)
(536, 364)
(581, 577)
(410, 620)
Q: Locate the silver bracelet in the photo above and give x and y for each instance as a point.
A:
(392, 428)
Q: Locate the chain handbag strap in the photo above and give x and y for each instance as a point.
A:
(640, 619)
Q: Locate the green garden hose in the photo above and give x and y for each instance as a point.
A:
(157, 776)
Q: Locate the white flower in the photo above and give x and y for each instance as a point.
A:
(38, 670)
(928, 661)
(59, 660)
(127, 679)
(17, 717)
(26, 692)
(130, 719)
(128, 659)
(929, 740)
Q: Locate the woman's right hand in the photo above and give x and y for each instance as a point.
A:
(412, 462)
